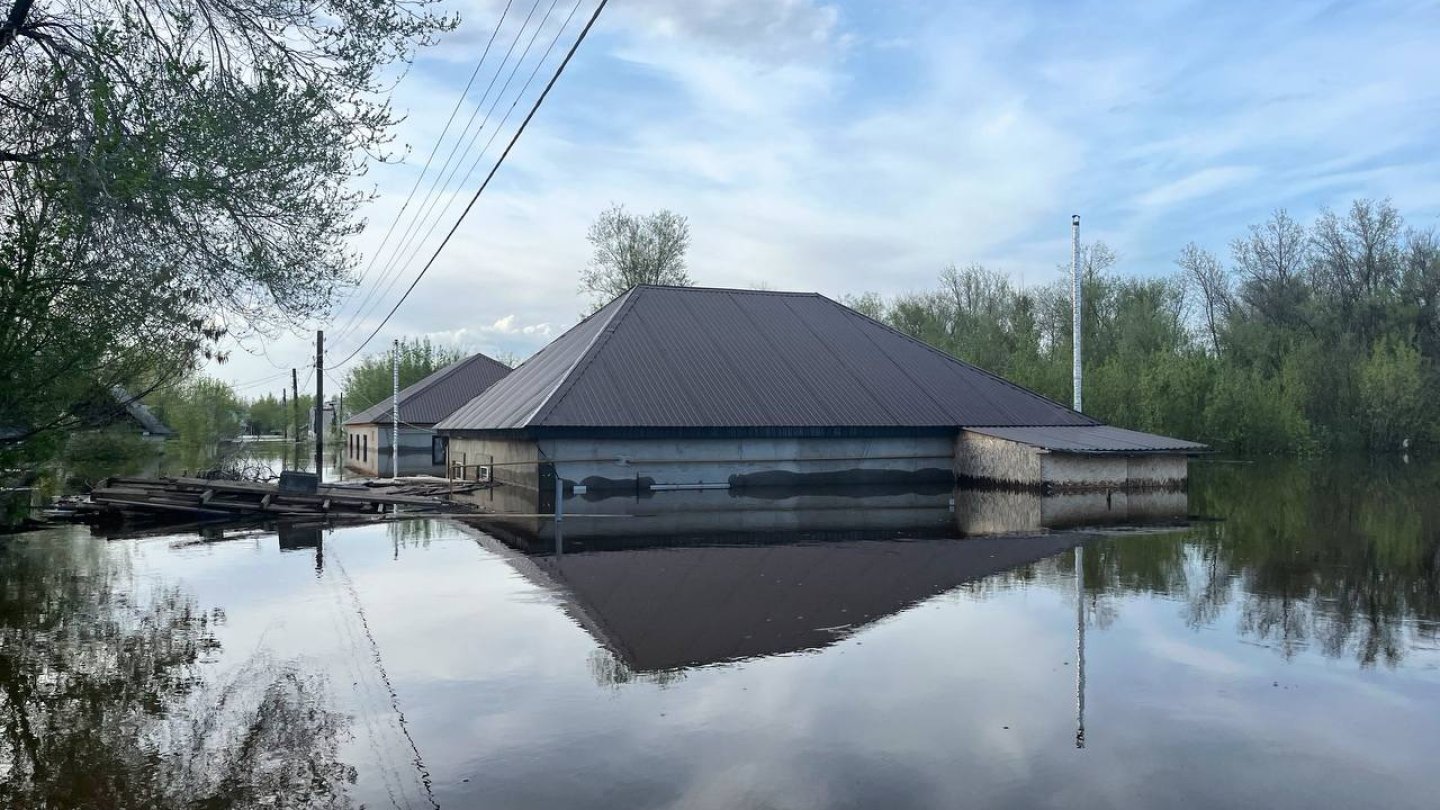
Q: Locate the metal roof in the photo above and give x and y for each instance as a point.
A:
(439, 394)
(141, 413)
(1091, 439)
(692, 357)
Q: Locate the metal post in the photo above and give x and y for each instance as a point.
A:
(559, 500)
(319, 404)
(395, 411)
(1076, 296)
(559, 514)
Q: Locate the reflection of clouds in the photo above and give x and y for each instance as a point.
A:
(499, 682)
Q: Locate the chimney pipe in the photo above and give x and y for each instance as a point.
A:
(1076, 300)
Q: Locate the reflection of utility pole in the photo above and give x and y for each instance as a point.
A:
(1080, 646)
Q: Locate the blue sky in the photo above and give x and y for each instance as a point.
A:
(846, 147)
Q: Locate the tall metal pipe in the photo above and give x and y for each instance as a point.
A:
(1076, 296)
(395, 411)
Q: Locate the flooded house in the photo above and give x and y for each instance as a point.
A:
(697, 388)
(368, 433)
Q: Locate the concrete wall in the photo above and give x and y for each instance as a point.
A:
(415, 452)
(1166, 472)
(1064, 471)
(747, 463)
(986, 459)
(516, 461)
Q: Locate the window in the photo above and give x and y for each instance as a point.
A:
(365, 447)
(437, 449)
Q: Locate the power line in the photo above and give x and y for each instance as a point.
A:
(395, 267)
(424, 216)
(434, 149)
(423, 209)
(511, 145)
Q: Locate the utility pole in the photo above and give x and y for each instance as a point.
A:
(295, 408)
(1076, 302)
(395, 410)
(284, 406)
(319, 403)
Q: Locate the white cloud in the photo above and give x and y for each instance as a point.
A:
(1203, 183)
(808, 156)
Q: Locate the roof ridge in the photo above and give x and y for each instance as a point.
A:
(791, 293)
(430, 380)
(567, 380)
(952, 358)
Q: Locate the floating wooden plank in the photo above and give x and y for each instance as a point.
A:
(130, 496)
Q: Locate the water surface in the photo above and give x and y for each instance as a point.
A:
(1280, 648)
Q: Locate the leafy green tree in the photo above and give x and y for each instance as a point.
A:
(631, 249)
(1397, 394)
(1320, 336)
(266, 415)
(172, 172)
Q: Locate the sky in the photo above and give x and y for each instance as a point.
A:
(846, 147)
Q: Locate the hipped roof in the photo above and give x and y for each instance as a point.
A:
(439, 394)
(692, 357)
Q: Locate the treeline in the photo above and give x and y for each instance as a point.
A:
(208, 410)
(1323, 336)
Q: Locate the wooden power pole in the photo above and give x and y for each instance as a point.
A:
(295, 405)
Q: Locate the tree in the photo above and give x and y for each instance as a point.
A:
(1204, 274)
(372, 379)
(173, 172)
(1327, 337)
(267, 415)
(1271, 262)
(632, 249)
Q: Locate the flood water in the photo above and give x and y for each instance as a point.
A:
(1281, 648)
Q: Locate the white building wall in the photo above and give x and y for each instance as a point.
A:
(371, 456)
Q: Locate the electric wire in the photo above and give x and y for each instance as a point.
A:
(409, 247)
(423, 219)
(484, 184)
(433, 150)
(388, 266)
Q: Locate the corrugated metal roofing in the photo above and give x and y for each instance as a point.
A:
(438, 394)
(141, 413)
(668, 357)
(1090, 439)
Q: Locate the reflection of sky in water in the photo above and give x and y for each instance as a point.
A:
(965, 698)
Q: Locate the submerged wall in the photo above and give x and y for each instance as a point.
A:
(756, 464)
(416, 457)
(516, 460)
(619, 464)
(991, 461)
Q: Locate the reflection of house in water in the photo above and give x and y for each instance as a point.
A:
(685, 579)
(993, 511)
(667, 607)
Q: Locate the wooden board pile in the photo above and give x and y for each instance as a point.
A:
(127, 498)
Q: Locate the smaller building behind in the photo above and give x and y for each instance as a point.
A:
(367, 444)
